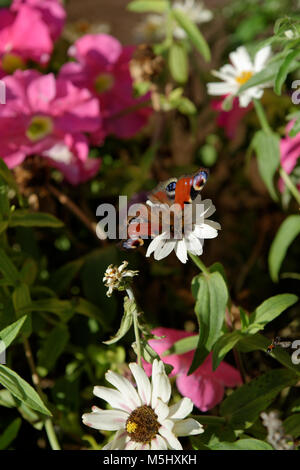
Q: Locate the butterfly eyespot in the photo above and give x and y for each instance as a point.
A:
(199, 180)
(170, 188)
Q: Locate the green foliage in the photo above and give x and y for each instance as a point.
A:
(286, 234)
(266, 147)
(193, 33)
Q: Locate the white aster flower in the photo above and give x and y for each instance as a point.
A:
(194, 230)
(142, 418)
(237, 73)
(116, 277)
(195, 11)
(155, 26)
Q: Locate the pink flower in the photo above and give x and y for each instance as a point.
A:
(27, 32)
(103, 67)
(230, 120)
(52, 12)
(289, 153)
(48, 117)
(204, 387)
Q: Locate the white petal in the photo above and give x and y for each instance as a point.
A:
(125, 387)
(206, 231)
(173, 442)
(118, 442)
(187, 427)
(181, 251)
(161, 387)
(181, 409)
(155, 243)
(241, 59)
(107, 420)
(221, 88)
(132, 445)
(161, 410)
(164, 249)
(244, 99)
(213, 224)
(194, 245)
(209, 208)
(113, 397)
(158, 443)
(142, 382)
(261, 58)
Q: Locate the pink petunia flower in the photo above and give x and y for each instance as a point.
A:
(289, 153)
(48, 117)
(27, 31)
(103, 67)
(204, 387)
(230, 120)
(52, 12)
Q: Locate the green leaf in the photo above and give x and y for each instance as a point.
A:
(142, 6)
(25, 218)
(126, 322)
(62, 278)
(8, 334)
(192, 32)
(269, 310)
(292, 425)
(52, 348)
(8, 269)
(22, 390)
(244, 405)
(62, 308)
(8, 177)
(242, 444)
(284, 69)
(224, 344)
(10, 433)
(258, 342)
(21, 297)
(268, 157)
(178, 62)
(211, 296)
(286, 234)
(29, 271)
(183, 345)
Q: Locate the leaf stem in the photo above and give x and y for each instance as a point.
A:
(292, 188)
(136, 327)
(262, 116)
(199, 263)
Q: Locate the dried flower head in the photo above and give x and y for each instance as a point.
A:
(117, 277)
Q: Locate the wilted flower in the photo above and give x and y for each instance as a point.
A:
(48, 117)
(204, 386)
(117, 277)
(103, 67)
(193, 231)
(142, 418)
(276, 434)
(237, 73)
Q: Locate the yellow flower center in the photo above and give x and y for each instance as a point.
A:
(131, 427)
(11, 62)
(244, 77)
(104, 82)
(39, 127)
(142, 425)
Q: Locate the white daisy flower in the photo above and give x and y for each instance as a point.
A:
(195, 228)
(155, 26)
(237, 73)
(195, 11)
(116, 277)
(141, 416)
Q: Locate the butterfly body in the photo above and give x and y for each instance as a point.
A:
(177, 192)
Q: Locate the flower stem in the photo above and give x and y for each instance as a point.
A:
(49, 428)
(199, 263)
(136, 327)
(262, 116)
(292, 188)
